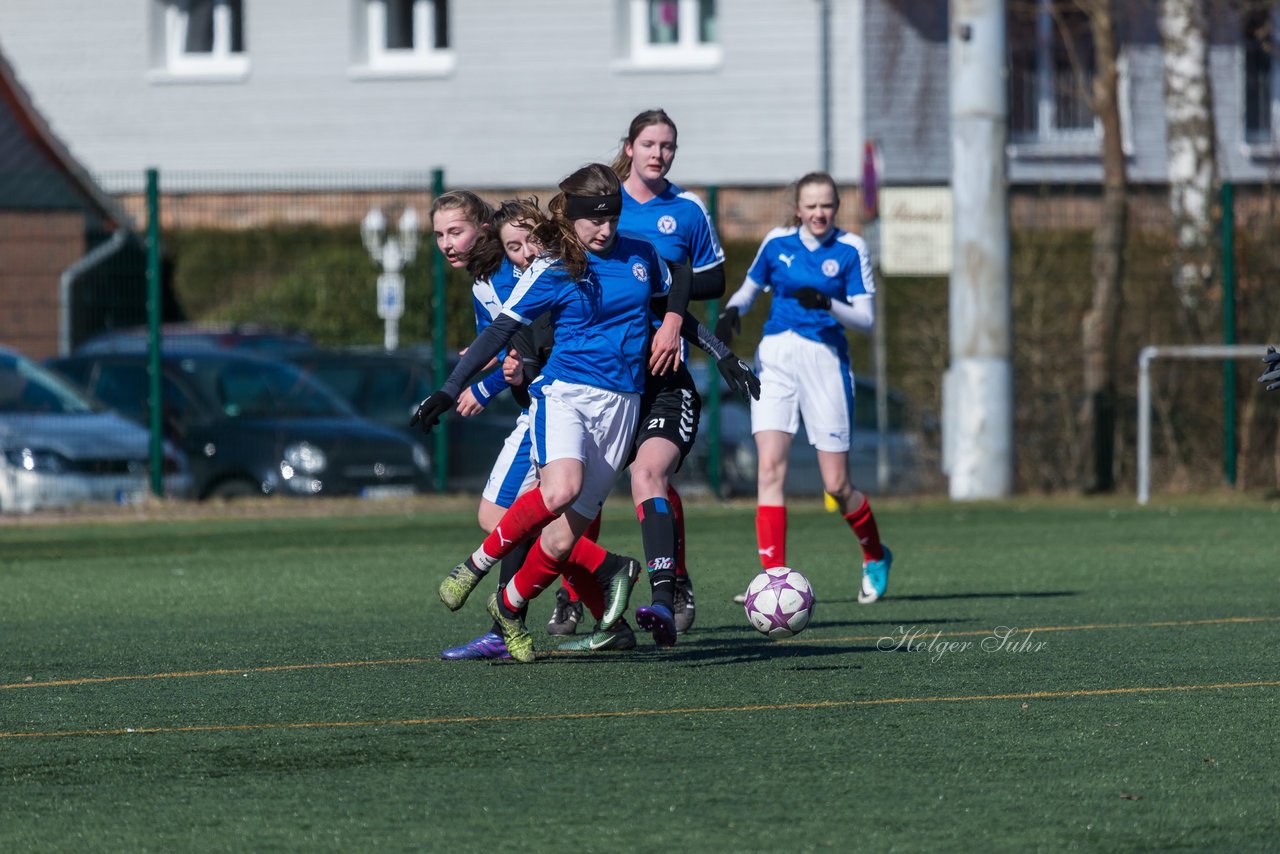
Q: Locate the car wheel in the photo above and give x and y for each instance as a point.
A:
(230, 489)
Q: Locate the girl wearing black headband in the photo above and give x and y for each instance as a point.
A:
(598, 286)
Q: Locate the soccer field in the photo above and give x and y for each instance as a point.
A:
(1042, 676)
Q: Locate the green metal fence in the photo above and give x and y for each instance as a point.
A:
(286, 251)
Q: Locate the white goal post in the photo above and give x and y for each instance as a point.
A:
(1148, 355)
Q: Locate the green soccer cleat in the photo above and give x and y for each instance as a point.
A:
(617, 591)
(519, 641)
(620, 637)
(457, 586)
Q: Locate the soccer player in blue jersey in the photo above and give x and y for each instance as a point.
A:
(495, 247)
(598, 286)
(676, 222)
(820, 278)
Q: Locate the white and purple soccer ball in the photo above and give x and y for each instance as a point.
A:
(779, 602)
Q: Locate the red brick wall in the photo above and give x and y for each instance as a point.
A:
(35, 249)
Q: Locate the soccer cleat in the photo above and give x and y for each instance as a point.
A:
(684, 604)
(740, 598)
(488, 645)
(617, 591)
(659, 620)
(875, 578)
(566, 616)
(519, 641)
(457, 586)
(619, 637)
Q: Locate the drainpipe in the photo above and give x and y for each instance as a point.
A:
(100, 253)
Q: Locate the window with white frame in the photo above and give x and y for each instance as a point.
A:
(1260, 76)
(673, 33)
(1051, 69)
(205, 37)
(408, 36)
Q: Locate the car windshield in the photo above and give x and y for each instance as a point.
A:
(260, 389)
(28, 388)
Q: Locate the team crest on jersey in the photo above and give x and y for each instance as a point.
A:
(640, 271)
(830, 267)
(667, 224)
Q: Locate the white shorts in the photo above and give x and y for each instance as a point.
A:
(513, 472)
(799, 378)
(593, 425)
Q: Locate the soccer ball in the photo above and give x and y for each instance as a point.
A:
(779, 602)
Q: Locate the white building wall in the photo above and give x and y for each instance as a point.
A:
(539, 88)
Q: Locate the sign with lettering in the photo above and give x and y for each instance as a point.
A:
(915, 232)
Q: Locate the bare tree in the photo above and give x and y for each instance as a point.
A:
(1189, 132)
(1100, 322)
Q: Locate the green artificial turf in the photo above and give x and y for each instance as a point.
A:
(265, 684)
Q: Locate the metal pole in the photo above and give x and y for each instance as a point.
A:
(979, 407)
(438, 307)
(1144, 423)
(155, 400)
(714, 473)
(1229, 426)
(825, 88)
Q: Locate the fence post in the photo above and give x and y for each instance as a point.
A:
(438, 308)
(1229, 427)
(154, 400)
(713, 374)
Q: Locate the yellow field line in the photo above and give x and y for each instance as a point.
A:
(641, 713)
(279, 668)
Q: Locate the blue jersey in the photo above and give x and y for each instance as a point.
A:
(601, 321)
(677, 223)
(487, 297)
(838, 267)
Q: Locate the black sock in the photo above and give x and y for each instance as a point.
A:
(658, 533)
(510, 566)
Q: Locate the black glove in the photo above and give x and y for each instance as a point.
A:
(429, 411)
(728, 325)
(1272, 374)
(812, 298)
(740, 378)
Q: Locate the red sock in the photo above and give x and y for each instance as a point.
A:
(538, 572)
(584, 560)
(526, 516)
(677, 515)
(771, 535)
(592, 534)
(864, 528)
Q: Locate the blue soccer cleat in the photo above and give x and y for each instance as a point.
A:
(488, 645)
(659, 620)
(875, 578)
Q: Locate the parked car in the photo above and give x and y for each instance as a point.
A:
(252, 426)
(738, 448)
(57, 449)
(387, 386)
(250, 337)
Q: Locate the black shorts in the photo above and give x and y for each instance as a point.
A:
(669, 408)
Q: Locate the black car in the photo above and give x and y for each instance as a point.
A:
(269, 341)
(251, 426)
(387, 386)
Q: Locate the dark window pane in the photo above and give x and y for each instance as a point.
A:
(199, 27)
(1073, 68)
(236, 8)
(442, 24)
(399, 24)
(1257, 74)
(707, 21)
